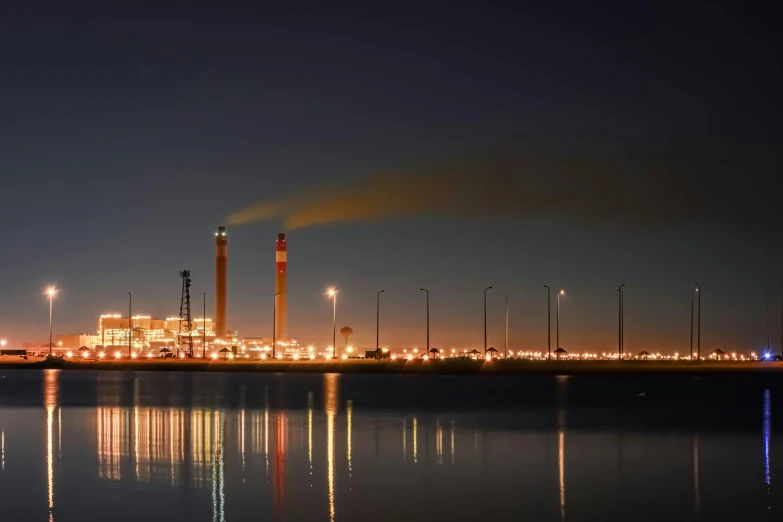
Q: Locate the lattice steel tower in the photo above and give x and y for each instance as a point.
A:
(185, 326)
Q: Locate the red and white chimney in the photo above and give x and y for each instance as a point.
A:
(281, 262)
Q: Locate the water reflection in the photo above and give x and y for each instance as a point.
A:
(331, 411)
(696, 474)
(50, 402)
(767, 437)
(218, 473)
(280, 449)
(415, 441)
(310, 434)
(562, 397)
(349, 428)
(214, 458)
(452, 443)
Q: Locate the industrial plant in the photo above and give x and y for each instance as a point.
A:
(118, 335)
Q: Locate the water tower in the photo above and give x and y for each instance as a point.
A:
(346, 332)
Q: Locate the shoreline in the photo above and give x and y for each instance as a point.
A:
(443, 367)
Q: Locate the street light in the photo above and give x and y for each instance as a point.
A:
(548, 322)
(485, 320)
(333, 294)
(505, 346)
(693, 297)
(620, 323)
(378, 323)
(557, 338)
(50, 292)
(428, 318)
(130, 324)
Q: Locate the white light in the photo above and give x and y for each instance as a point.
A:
(69, 354)
(214, 356)
(296, 356)
(345, 356)
(133, 356)
(117, 355)
(312, 356)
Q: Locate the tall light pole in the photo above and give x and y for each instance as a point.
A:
(769, 343)
(428, 318)
(50, 292)
(698, 322)
(378, 324)
(695, 291)
(204, 330)
(620, 323)
(505, 345)
(692, 354)
(333, 294)
(274, 329)
(548, 322)
(130, 323)
(557, 338)
(485, 320)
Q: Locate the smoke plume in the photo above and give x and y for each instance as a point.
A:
(579, 189)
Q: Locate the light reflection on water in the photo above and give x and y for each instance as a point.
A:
(169, 459)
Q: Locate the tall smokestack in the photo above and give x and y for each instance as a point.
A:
(221, 269)
(281, 262)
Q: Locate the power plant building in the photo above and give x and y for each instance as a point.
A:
(148, 332)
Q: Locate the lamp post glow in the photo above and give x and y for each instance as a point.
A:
(620, 325)
(557, 338)
(693, 297)
(548, 322)
(377, 324)
(505, 346)
(50, 292)
(130, 323)
(485, 320)
(333, 294)
(428, 317)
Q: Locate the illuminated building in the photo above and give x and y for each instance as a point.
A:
(147, 332)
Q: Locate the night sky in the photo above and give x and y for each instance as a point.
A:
(128, 134)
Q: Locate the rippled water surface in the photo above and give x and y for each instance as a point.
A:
(160, 446)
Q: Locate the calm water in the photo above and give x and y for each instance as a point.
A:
(82, 446)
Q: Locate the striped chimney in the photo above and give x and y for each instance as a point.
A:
(281, 262)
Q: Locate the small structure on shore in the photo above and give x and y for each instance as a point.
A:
(717, 353)
(434, 353)
(473, 353)
(560, 353)
(644, 354)
(346, 332)
(492, 352)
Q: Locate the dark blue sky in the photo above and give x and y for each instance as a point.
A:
(129, 133)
